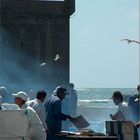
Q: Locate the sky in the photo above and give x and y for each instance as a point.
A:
(98, 59)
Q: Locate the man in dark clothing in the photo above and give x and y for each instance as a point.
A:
(54, 115)
(134, 104)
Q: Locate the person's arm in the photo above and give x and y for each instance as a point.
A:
(117, 116)
(57, 112)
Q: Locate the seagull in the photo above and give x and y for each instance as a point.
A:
(56, 57)
(130, 41)
(43, 64)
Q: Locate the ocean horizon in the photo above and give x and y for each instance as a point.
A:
(95, 104)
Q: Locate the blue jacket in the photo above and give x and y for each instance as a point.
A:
(54, 115)
(134, 107)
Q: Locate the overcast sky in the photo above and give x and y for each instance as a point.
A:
(98, 59)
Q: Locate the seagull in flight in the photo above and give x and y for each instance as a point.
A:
(130, 41)
(56, 57)
(43, 64)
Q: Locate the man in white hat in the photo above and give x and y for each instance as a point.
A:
(20, 99)
(36, 130)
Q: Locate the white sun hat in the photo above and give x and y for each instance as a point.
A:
(21, 94)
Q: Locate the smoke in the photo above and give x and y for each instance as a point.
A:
(19, 70)
(97, 116)
(27, 53)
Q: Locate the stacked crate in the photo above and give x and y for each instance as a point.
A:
(124, 130)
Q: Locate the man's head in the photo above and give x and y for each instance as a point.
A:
(117, 97)
(3, 91)
(138, 89)
(20, 98)
(61, 92)
(41, 95)
(71, 85)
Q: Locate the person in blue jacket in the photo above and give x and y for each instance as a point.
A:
(54, 115)
(134, 104)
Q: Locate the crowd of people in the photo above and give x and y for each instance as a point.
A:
(46, 116)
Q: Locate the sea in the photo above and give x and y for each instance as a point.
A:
(101, 97)
(96, 104)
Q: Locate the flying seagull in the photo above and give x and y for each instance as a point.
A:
(56, 57)
(130, 41)
(43, 64)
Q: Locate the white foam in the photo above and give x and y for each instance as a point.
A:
(95, 100)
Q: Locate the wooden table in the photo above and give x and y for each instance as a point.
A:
(86, 137)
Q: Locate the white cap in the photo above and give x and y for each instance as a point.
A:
(3, 91)
(22, 95)
(0, 101)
